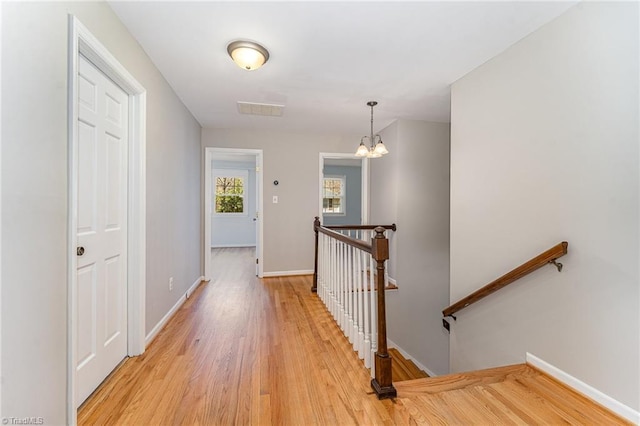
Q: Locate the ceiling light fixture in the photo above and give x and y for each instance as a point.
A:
(376, 149)
(247, 54)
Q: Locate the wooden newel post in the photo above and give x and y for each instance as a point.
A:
(314, 287)
(381, 383)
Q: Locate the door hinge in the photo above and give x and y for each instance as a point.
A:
(256, 261)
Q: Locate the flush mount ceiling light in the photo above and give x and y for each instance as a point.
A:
(247, 54)
(375, 149)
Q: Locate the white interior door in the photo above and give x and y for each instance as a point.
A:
(101, 319)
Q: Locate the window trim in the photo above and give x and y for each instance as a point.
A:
(230, 173)
(343, 195)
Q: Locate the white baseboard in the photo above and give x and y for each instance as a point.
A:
(407, 355)
(194, 286)
(288, 273)
(165, 319)
(232, 245)
(585, 389)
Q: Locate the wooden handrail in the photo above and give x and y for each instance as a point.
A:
(346, 239)
(526, 268)
(357, 227)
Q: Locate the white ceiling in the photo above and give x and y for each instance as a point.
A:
(327, 58)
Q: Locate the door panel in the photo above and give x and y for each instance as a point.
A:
(101, 321)
(86, 319)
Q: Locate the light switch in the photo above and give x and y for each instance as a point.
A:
(275, 199)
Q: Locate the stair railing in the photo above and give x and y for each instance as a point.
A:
(548, 257)
(349, 277)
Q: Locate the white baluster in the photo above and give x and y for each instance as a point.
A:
(340, 311)
(345, 271)
(367, 312)
(374, 317)
(327, 272)
(349, 313)
(337, 285)
(325, 290)
(320, 266)
(356, 295)
(343, 274)
(361, 313)
(334, 277)
(324, 269)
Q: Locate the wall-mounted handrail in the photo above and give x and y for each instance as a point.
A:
(526, 268)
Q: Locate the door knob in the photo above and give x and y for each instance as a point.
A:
(80, 251)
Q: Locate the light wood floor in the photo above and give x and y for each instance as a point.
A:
(248, 351)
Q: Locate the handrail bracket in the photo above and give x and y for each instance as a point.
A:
(556, 264)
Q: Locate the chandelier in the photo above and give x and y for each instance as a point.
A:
(376, 148)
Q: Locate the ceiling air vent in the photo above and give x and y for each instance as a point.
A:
(270, 110)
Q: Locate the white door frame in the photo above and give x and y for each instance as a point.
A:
(81, 41)
(365, 181)
(1, 416)
(206, 205)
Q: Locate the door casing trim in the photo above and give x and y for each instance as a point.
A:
(365, 181)
(206, 204)
(81, 41)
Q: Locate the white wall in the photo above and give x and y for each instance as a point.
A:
(410, 187)
(292, 159)
(353, 195)
(34, 196)
(545, 149)
(235, 231)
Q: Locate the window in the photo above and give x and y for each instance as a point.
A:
(230, 191)
(333, 189)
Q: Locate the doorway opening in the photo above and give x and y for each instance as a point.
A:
(233, 206)
(343, 189)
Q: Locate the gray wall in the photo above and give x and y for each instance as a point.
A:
(292, 159)
(545, 149)
(383, 190)
(34, 196)
(235, 231)
(410, 187)
(353, 202)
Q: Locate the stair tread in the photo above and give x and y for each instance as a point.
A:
(404, 369)
(462, 380)
(512, 394)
